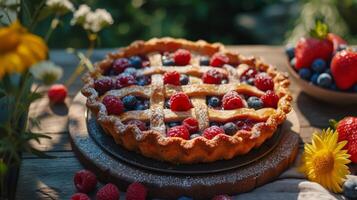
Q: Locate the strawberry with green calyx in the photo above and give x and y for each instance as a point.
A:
(316, 46)
(347, 130)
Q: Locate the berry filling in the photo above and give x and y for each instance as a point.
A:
(143, 80)
(182, 57)
(232, 100)
(179, 131)
(172, 78)
(180, 102)
(264, 82)
(124, 80)
(213, 76)
(218, 60)
(141, 125)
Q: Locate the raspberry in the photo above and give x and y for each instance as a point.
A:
(141, 125)
(264, 82)
(172, 77)
(113, 104)
(270, 99)
(108, 192)
(182, 57)
(232, 100)
(245, 124)
(222, 197)
(191, 124)
(103, 85)
(57, 93)
(218, 60)
(80, 196)
(120, 64)
(124, 80)
(212, 131)
(85, 181)
(136, 191)
(250, 73)
(212, 76)
(179, 131)
(180, 102)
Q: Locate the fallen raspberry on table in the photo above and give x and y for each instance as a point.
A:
(108, 192)
(120, 64)
(182, 57)
(179, 131)
(113, 104)
(222, 197)
(136, 191)
(212, 76)
(191, 124)
(141, 125)
(180, 102)
(264, 82)
(57, 93)
(125, 80)
(103, 85)
(85, 181)
(232, 100)
(172, 77)
(270, 99)
(80, 196)
(212, 131)
(218, 60)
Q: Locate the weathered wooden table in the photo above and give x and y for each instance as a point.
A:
(53, 178)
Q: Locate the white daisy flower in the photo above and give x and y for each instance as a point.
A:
(93, 21)
(60, 7)
(47, 72)
(79, 16)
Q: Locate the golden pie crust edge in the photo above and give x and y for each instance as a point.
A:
(176, 150)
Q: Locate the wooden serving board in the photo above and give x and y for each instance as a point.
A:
(166, 185)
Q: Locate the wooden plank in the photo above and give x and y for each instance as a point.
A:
(58, 142)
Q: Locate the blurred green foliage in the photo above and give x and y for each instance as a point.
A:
(226, 21)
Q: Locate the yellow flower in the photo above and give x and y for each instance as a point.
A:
(19, 49)
(324, 161)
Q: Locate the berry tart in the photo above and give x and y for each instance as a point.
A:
(186, 102)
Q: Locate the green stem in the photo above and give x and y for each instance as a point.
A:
(92, 37)
(36, 15)
(54, 23)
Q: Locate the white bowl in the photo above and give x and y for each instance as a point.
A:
(330, 96)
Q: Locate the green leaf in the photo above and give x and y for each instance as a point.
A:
(333, 123)
(3, 168)
(320, 31)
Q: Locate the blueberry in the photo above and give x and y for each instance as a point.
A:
(172, 124)
(324, 80)
(342, 47)
(204, 61)
(214, 101)
(129, 102)
(319, 65)
(290, 51)
(350, 188)
(214, 124)
(255, 102)
(333, 86)
(354, 88)
(293, 62)
(224, 81)
(184, 198)
(131, 71)
(168, 62)
(142, 80)
(194, 136)
(250, 81)
(167, 104)
(314, 77)
(141, 106)
(305, 73)
(230, 128)
(136, 62)
(184, 79)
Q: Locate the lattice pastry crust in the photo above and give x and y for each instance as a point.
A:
(153, 142)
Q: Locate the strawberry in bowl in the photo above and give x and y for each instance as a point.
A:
(324, 66)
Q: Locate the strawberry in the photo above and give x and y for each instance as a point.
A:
(347, 130)
(336, 41)
(309, 49)
(344, 69)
